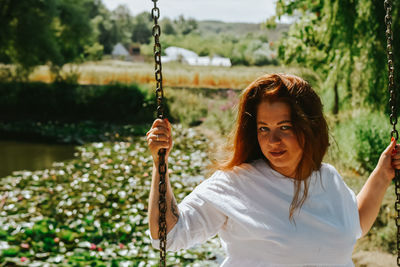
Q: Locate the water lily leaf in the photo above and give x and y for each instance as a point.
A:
(99, 197)
(42, 256)
(66, 235)
(11, 252)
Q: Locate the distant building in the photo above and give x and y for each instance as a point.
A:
(189, 57)
(120, 52)
(134, 51)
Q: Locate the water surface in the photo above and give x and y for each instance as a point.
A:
(16, 155)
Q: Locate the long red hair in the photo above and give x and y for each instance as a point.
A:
(309, 125)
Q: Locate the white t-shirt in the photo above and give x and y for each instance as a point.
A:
(248, 208)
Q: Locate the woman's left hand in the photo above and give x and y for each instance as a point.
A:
(389, 161)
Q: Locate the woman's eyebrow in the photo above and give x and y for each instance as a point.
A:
(281, 122)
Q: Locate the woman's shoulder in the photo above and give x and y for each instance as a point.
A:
(221, 182)
(331, 176)
(242, 171)
(218, 179)
(328, 169)
(230, 177)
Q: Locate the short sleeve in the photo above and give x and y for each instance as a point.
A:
(199, 218)
(353, 212)
(349, 202)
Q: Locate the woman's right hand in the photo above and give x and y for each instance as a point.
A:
(158, 137)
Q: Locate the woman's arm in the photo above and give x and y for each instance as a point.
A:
(172, 214)
(159, 137)
(370, 198)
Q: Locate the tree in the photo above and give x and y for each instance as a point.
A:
(185, 26)
(26, 36)
(142, 28)
(167, 26)
(344, 40)
(124, 24)
(104, 28)
(37, 32)
(73, 30)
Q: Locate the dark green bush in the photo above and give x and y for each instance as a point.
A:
(116, 103)
(373, 136)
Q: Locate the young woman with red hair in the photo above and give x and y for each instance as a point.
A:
(272, 200)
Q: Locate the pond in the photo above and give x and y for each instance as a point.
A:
(92, 210)
(17, 155)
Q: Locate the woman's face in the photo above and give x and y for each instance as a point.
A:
(276, 138)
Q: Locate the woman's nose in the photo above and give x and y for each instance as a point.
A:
(274, 137)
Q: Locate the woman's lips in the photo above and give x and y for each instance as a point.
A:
(277, 153)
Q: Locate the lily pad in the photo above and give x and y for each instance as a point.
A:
(100, 198)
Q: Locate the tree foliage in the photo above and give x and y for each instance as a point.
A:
(242, 49)
(26, 36)
(38, 32)
(57, 32)
(185, 26)
(167, 26)
(345, 41)
(142, 28)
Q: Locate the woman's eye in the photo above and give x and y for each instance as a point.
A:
(286, 127)
(263, 129)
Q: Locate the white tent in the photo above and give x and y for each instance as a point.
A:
(189, 57)
(209, 61)
(174, 53)
(221, 61)
(198, 61)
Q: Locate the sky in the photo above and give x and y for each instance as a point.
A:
(252, 11)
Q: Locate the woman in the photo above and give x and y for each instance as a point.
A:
(273, 202)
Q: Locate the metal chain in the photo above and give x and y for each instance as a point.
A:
(162, 168)
(389, 37)
(393, 116)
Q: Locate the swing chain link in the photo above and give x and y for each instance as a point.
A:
(391, 88)
(393, 115)
(156, 32)
(162, 168)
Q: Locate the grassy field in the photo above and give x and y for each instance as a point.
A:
(174, 74)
